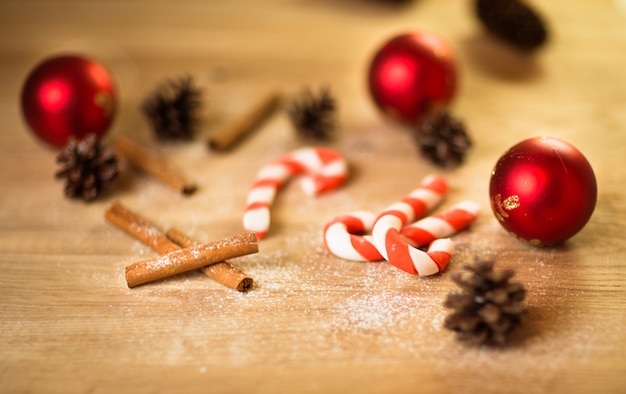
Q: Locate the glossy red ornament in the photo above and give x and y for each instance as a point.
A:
(67, 96)
(543, 191)
(412, 74)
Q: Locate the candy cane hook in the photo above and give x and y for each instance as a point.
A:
(347, 236)
(324, 169)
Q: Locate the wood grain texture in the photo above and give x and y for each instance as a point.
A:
(312, 322)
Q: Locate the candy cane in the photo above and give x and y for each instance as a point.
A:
(346, 237)
(395, 249)
(325, 169)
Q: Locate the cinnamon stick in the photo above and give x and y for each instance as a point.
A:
(223, 272)
(139, 228)
(227, 137)
(153, 164)
(187, 259)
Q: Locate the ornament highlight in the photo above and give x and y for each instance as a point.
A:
(68, 96)
(411, 75)
(543, 191)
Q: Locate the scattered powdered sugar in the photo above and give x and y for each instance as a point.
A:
(307, 305)
(376, 311)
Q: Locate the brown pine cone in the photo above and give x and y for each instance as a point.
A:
(313, 117)
(442, 139)
(172, 109)
(88, 166)
(513, 21)
(488, 307)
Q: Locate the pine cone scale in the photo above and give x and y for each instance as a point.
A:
(497, 296)
(489, 313)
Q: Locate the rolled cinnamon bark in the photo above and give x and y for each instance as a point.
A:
(153, 164)
(187, 259)
(228, 136)
(223, 272)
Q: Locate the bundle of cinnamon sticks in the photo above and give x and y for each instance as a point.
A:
(180, 254)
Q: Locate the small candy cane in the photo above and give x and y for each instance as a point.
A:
(395, 249)
(346, 237)
(324, 170)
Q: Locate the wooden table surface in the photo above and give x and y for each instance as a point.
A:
(312, 322)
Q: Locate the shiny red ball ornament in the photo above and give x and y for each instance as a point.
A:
(67, 96)
(412, 74)
(543, 191)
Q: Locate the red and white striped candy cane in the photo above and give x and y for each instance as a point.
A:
(343, 235)
(395, 249)
(441, 225)
(346, 236)
(324, 169)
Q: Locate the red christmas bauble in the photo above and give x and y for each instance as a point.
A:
(543, 191)
(412, 74)
(67, 96)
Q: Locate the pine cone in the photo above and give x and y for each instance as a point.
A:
(87, 167)
(488, 307)
(313, 117)
(513, 21)
(442, 139)
(172, 109)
